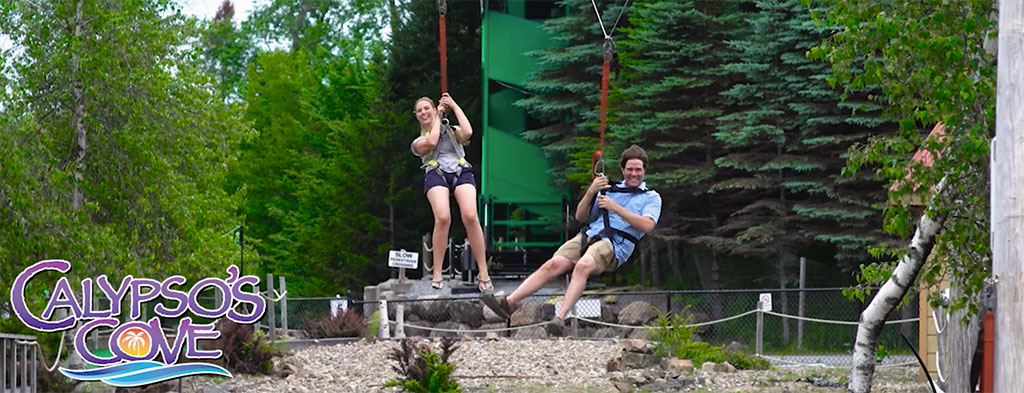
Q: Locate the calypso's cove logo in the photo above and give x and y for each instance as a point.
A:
(133, 345)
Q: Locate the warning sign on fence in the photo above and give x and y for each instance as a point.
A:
(765, 300)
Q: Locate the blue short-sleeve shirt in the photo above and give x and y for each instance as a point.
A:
(646, 204)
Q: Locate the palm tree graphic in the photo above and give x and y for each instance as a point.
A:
(134, 341)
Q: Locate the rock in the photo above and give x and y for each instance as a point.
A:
(677, 365)
(491, 317)
(614, 365)
(465, 312)
(616, 376)
(707, 366)
(532, 332)
(636, 360)
(214, 389)
(638, 346)
(528, 314)
(606, 332)
(659, 380)
(735, 346)
(725, 367)
(411, 331)
(448, 325)
(431, 308)
(608, 314)
(637, 313)
(623, 386)
(640, 334)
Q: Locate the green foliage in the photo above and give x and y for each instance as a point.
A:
(930, 62)
(675, 338)
(422, 369)
(115, 150)
(374, 327)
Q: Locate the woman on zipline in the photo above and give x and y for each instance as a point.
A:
(440, 147)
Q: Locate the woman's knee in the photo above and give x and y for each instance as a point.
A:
(469, 218)
(442, 220)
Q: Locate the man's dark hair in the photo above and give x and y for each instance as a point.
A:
(633, 153)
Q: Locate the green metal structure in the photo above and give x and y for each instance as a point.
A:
(520, 207)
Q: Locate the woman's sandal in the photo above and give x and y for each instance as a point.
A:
(437, 284)
(485, 285)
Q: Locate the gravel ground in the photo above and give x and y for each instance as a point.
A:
(506, 365)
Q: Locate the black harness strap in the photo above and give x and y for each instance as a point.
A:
(608, 231)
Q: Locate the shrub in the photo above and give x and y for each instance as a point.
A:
(347, 324)
(675, 338)
(424, 370)
(245, 350)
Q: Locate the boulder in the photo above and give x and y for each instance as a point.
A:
(450, 326)
(677, 365)
(431, 308)
(466, 312)
(637, 313)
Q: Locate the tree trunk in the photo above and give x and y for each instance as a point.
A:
(393, 13)
(784, 296)
(673, 259)
(81, 144)
(889, 296)
(707, 272)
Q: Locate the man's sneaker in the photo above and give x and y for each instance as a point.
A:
(556, 327)
(498, 304)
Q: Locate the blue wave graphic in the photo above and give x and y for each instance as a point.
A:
(143, 373)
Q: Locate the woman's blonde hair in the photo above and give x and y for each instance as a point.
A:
(424, 98)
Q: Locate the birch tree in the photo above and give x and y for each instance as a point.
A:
(929, 60)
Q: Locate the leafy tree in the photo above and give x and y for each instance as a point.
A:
(930, 61)
(114, 148)
(226, 51)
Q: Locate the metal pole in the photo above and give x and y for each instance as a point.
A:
(800, 305)
(271, 315)
(759, 340)
(284, 306)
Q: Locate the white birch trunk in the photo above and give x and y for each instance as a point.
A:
(81, 145)
(872, 320)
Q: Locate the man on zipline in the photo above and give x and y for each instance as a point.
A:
(628, 210)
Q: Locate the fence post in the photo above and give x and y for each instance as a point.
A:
(35, 361)
(759, 339)
(3, 363)
(271, 315)
(800, 305)
(284, 306)
(400, 320)
(24, 367)
(575, 320)
(384, 332)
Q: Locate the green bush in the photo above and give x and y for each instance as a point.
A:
(422, 369)
(347, 324)
(675, 338)
(245, 350)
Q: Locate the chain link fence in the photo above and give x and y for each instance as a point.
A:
(821, 332)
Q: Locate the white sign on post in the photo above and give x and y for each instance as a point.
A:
(339, 304)
(402, 258)
(765, 299)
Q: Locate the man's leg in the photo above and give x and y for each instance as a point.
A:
(584, 268)
(554, 267)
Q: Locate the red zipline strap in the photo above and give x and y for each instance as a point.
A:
(442, 9)
(606, 68)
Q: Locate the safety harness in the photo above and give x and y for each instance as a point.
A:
(432, 164)
(608, 231)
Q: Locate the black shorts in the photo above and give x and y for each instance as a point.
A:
(450, 180)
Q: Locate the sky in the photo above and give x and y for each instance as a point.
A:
(205, 9)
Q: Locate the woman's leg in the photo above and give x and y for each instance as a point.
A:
(438, 198)
(465, 195)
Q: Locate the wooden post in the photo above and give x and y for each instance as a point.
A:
(400, 320)
(271, 315)
(284, 306)
(1007, 202)
(800, 305)
(759, 340)
(384, 332)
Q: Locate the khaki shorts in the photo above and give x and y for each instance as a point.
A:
(601, 251)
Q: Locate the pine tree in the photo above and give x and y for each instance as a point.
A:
(567, 89)
(788, 138)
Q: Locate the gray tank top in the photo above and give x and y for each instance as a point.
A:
(447, 157)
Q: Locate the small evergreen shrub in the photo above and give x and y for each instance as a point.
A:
(675, 338)
(347, 324)
(422, 370)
